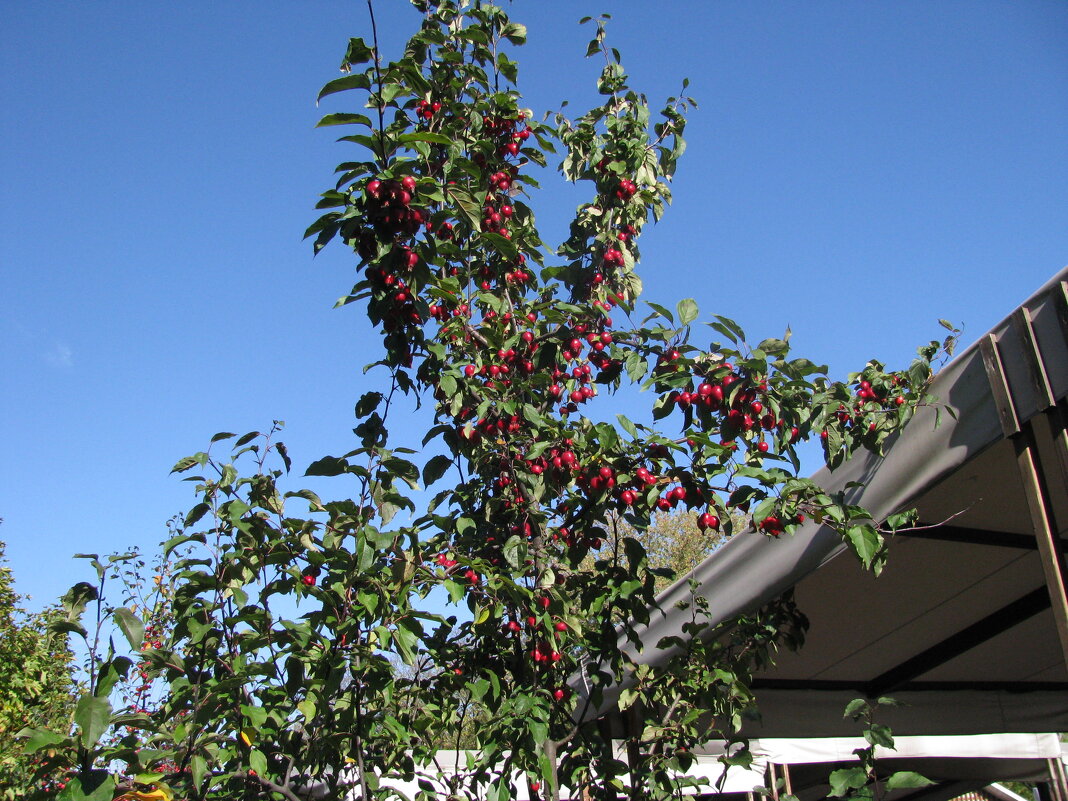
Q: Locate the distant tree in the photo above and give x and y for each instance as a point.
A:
(675, 544)
(36, 683)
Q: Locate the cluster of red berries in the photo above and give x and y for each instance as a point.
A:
(496, 215)
(572, 538)
(734, 410)
(774, 525)
(445, 561)
(427, 110)
(394, 302)
(388, 208)
(513, 273)
(625, 190)
(507, 133)
(576, 383)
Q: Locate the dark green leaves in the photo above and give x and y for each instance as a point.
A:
(906, 779)
(436, 468)
(343, 119)
(357, 52)
(845, 779)
(327, 466)
(92, 716)
(357, 81)
(867, 544)
(187, 462)
(131, 626)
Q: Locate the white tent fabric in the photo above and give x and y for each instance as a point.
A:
(840, 749)
(1023, 755)
(451, 764)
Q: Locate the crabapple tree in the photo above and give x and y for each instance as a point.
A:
(512, 345)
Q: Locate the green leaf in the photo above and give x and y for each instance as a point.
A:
(406, 641)
(94, 785)
(342, 119)
(846, 779)
(636, 366)
(198, 766)
(36, 739)
(513, 548)
(67, 627)
(687, 309)
(424, 136)
(436, 468)
(257, 761)
(515, 33)
(855, 708)
(539, 729)
(660, 310)
(131, 626)
(327, 466)
(865, 541)
(367, 403)
(356, 81)
(245, 439)
(774, 347)
(736, 332)
(110, 674)
(879, 734)
(455, 590)
(905, 779)
(357, 52)
(189, 461)
(471, 209)
(76, 598)
(92, 716)
(627, 425)
(886, 700)
(196, 513)
(501, 245)
(608, 436)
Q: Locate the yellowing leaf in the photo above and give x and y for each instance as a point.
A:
(246, 737)
(159, 794)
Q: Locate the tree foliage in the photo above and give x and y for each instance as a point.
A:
(290, 612)
(36, 688)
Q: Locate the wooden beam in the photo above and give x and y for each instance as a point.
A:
(1049, 545)
(999, 388)
(963, 641)
(861, 685)
(1028, 462)
(972, 536)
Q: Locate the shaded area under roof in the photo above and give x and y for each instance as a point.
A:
(969, 622)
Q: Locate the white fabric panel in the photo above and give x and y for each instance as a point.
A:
(840, 749)
(810, 713)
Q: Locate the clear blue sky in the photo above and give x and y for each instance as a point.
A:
(855, 170)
